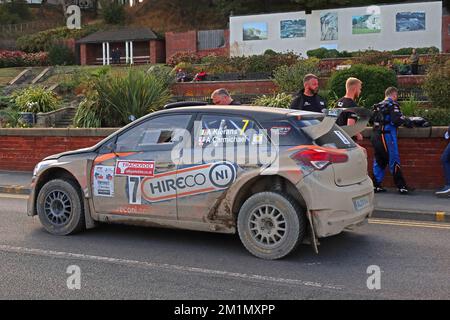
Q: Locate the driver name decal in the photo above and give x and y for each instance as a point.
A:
(182, 183)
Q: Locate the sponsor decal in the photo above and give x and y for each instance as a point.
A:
(181, 183)
(135, 168)
(342, 137)
(132, 209)
(282, 130)
(103, 178)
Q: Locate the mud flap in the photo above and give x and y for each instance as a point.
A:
(314, 240)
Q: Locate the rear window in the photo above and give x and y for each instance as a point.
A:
(335, 138)
(288, 134)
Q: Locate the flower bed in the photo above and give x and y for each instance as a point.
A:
(22, 59)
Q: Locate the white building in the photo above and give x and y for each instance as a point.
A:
(386, 27)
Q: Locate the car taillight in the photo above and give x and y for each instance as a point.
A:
(319, 158)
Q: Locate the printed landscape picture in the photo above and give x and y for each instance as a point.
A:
(410, 21)
(255, 31)
(329, 26)
(293, 28)
(369, 23)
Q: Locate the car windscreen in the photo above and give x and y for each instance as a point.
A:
(335, 138)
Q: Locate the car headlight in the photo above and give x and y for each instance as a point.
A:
(42, 165)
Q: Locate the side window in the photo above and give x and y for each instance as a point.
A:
(222, 129)
(164, 130)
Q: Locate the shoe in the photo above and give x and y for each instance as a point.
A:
(403, 190)
(445, 192)
(379, 189)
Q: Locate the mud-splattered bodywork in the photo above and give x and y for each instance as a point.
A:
(145, 188)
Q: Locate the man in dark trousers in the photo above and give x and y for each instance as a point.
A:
(308, 99)
(387, 118)
(353, 87)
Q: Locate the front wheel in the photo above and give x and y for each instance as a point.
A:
(60, 207)
(271, 225)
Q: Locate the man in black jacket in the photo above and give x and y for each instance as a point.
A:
(308, 99)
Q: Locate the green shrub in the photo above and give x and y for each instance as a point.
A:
(408, 51)
(409, 107)
(375, 81)
(437, 85)
(42, 41)
(280, 100)
(11, 118)
(116, 100)
(290, 78)
(36, 99)
(323, 53)
(163, 73)
(113, 12)
(373, 57)
(6, 102)
(436, 116)
(188, 57)
(90, 113)
(61, 55)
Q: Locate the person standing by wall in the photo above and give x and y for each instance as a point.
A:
(308, 99)
(414, 61)
(387, 118)
(353, 87)
(445, 191)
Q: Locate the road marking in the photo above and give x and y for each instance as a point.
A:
(403, 223)
(13, 196)
(164, 266)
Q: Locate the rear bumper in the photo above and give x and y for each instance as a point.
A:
(332, 207)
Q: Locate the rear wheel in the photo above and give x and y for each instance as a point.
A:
(271, 225)
(60, 207)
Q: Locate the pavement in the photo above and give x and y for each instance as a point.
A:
(420, 205)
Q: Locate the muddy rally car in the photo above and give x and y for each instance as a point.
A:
(276, 177)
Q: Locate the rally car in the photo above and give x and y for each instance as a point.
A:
(276, 177)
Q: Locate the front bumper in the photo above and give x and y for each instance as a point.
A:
(332, 208)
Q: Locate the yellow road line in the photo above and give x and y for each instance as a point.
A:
(402, 223)
(13, 196)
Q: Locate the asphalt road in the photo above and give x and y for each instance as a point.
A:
(121, 262)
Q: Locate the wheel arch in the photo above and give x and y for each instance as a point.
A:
(263, 183)
(64, 174)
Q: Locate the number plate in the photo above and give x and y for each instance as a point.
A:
(361, 203)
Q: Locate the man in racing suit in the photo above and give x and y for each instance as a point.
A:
(387, 118)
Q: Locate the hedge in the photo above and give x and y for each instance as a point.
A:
(375, 81)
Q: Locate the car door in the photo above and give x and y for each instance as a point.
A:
(127, 181)
(223, 140)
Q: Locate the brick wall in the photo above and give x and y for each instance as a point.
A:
(205, 88)
(445, 34)
(180, 41)
(420, 160)
(21, 149)
(197, 89)
(187, 42)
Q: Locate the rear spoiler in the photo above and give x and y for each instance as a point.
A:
(363, 119)
(331, 115)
